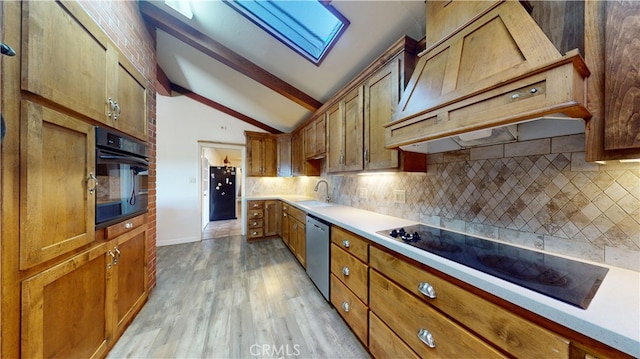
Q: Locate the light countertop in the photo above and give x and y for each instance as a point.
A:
(613, 316)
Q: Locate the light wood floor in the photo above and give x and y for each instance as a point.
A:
(225, 298)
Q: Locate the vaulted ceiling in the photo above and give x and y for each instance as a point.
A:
(225, 61)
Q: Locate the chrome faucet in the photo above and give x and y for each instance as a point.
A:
(328, 198)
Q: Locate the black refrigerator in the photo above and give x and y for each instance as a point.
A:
(222, 193)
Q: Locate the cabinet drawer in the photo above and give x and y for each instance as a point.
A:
(253, 214)
(125, 226)
(352, 310)
(351, 243)
(384, 343)
(255, 223)
(353, 273)
(504, 329)
(297, 214)
(255, 205)
(255, 233)
(409, 317)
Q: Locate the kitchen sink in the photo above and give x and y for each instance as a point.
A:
(314, 203)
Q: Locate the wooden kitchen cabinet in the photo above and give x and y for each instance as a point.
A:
(261, 154)
(611, 29)
(64, 308)
(516, 336)
(355, 123)
(295, 235)
(437, 335)
(315, 139)
(127, 287)
(299, 165)
(350, 280)
(284, 155)
(58, 162)
(284, 223)
(262, 218)
(345, 121)
(129, 111)
(89, 76)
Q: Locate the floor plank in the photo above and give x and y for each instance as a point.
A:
(226, 298)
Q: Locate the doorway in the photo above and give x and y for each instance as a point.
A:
(231, 159)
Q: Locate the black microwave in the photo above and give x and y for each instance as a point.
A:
(122, 170)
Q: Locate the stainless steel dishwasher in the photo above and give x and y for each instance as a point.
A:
(318, 232)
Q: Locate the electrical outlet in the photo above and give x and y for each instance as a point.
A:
(363, 193)
(398, 196)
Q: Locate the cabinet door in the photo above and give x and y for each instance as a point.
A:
(320, 136)
(129, 280)
(285, 227)
(284, 156)
(270, 157)
(254, 156)
(58, 203)
(271, 218)
(353, 121)
(301, 250)
(64, 309)
(335, 146)
(131, 98)
(382, 94)
(62, 61)
(622, 83)
(309, 140)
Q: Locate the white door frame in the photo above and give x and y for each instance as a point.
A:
(235, 146)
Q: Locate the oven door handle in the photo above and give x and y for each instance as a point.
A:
(125, 159)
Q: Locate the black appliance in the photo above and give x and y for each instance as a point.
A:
(222, 193)
(122, 172)
(570, 281)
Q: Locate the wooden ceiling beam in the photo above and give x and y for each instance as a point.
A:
(163, 85)
(216, 50)
(222, 108)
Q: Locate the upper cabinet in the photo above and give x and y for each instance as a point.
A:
(611, 29)
(284, 155)
(315, 139)
(261, 154)
(79, 69)
(355, 122)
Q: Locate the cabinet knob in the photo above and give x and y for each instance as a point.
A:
(128, 225)
(346, 243)
(255, 233)
(426, 338)
(427, 289)
(255, 223)
(345, 307)
(345, 271)
(255, 214)
(255, 205)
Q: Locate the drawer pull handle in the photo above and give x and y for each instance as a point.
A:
(255, 223)
(128, 225)
(346, 243)
(426, 338)
(427, 289)
(255, 233)
(345, 307)
(255, 205)
(345, 270)
(255, 214)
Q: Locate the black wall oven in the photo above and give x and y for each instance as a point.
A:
(122, 170)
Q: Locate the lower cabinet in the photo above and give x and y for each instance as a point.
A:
(263, 218)
(64, 308)
(80, 307)
(294, 231)
(349, 289)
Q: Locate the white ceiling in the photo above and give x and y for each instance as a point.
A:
(375, 26)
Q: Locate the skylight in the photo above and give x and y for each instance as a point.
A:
(308, 27)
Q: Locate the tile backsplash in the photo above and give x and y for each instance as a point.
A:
(540, 194)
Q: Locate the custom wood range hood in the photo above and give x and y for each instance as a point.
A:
(488, 70)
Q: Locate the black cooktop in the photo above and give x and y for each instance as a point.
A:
(567, 280)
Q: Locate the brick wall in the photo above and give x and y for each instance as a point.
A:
(122, 22)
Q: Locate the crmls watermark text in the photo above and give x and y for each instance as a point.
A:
(273, 350)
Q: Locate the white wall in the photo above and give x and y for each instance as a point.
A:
(181, 123)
